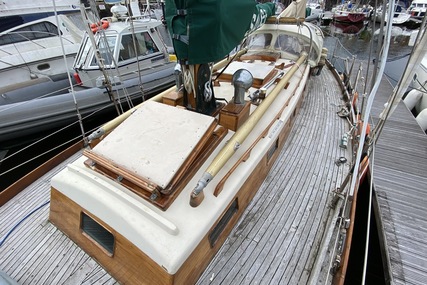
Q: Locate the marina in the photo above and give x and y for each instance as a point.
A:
(310, 222)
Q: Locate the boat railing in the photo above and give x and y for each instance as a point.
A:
(127, 19)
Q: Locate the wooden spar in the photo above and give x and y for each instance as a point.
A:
(107, 127)
(284, 20)
(240, 135)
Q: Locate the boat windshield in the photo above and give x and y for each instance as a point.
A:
(259, 41)
(142, 42)
(82, 55)
(106, 49)
(31, 32)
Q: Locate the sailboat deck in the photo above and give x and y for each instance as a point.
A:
(281, 239)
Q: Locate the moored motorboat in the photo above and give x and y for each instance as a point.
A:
(401, 17)
(416, 99)
(32, 54)
(417, 9)
(14, 13)
(53, 100)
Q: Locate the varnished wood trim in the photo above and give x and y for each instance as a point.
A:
(285, 20)
(128, 265)
(166, 196)
(339, 277)
(194, 266)
(245, 155)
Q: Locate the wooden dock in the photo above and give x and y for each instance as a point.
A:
(400, 182)
(283, 237)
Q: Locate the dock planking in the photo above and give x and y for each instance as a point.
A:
(400, 183)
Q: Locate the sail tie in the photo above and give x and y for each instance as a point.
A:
(181, 38)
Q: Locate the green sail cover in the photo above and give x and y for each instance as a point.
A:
(207, 30)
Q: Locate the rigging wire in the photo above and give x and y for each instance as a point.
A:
(44, 138)
(69, 77)
(350, 192)
(132, 28)
(371, 99)
(368, 225)
(97, 54)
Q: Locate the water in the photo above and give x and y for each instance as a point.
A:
(26, 154)
(356, 40)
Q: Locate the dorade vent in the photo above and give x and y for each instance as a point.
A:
(97, 233)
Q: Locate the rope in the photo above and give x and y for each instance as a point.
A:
(20, 222)
(188, 80)
(208, 91)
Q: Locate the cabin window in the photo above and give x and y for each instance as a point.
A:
(288, 44)
(259, 41)
(219, 228)
(106, 49)
(138, 45)
(97, 233)
(29, 33)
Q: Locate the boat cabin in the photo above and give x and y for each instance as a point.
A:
(123, 47)
(32, 52)
(417, 9)
(287, 45)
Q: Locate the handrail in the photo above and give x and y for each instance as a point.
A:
(240, 135)
(220, 184)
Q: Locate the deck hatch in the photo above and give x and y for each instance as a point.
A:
(100, 235)
(217, 230)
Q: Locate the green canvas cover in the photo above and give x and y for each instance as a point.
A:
(207, 30)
